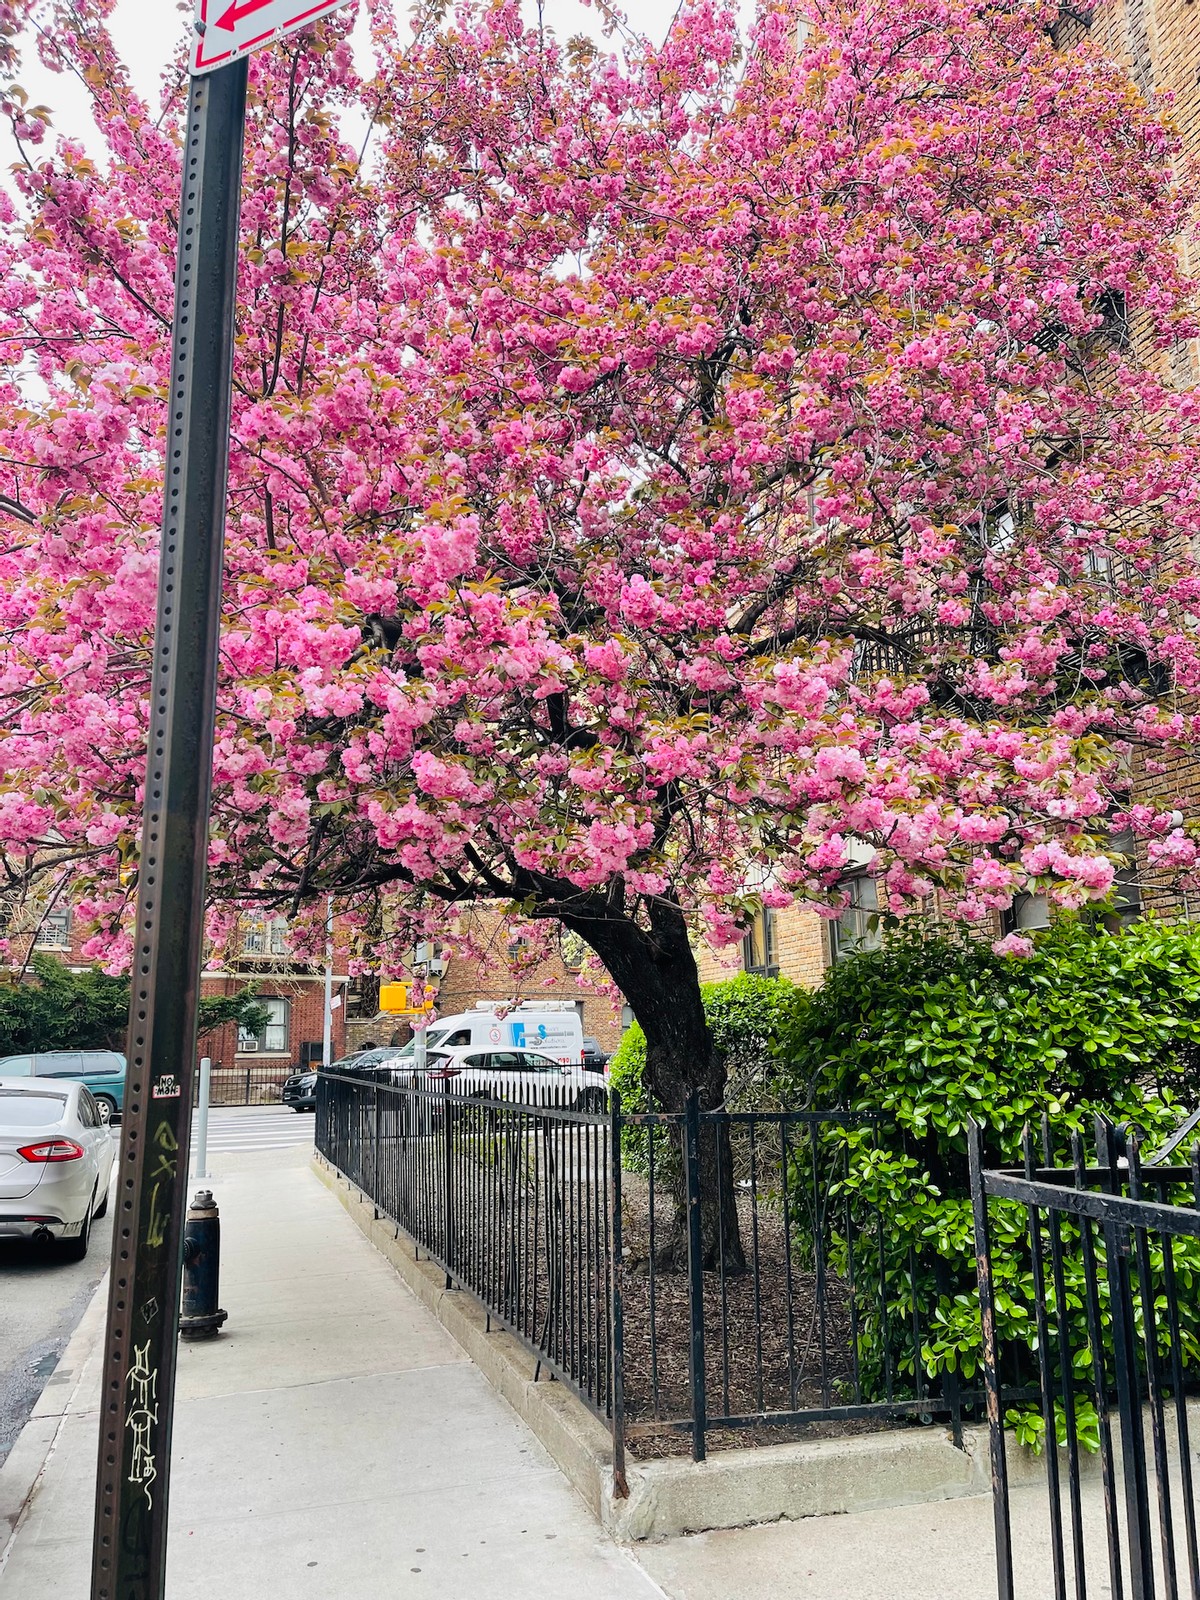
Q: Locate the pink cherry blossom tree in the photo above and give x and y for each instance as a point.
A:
(659, 474)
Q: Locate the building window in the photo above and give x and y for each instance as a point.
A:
(858, 926)
(1001, 528)
(1029, 912)
(54, 932)
(261, 937)
(1126, 893)
(1026, 914)
(758, 946)
(275, 1038)
(426, 959)
(1113, 307)
(1097, 565)
(363, 998)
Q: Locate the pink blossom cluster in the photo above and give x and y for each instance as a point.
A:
(658, 472)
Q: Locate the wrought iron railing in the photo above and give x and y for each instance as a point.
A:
(595, 1238)
(1112, 1253)
(815, 1312)
(259, 1083)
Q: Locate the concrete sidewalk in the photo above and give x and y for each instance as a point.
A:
(332, 1442)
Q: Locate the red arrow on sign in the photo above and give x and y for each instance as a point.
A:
(238, 12)
(226, 29)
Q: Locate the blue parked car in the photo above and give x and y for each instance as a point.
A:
(103, 1071)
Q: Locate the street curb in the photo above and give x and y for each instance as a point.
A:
(25, 1465)
(732, 1489)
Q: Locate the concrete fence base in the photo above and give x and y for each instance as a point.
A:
(733, 1488)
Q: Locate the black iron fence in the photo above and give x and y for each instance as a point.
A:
(512, 1201)
(257, 1084)
(802, 1306)
(596, 1239)
(1111, 1246)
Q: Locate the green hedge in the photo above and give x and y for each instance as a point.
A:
(934, 1031)
(748, 1017)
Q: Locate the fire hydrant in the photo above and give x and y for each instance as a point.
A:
(200, 1317)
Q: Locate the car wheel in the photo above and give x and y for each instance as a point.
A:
(102, 1207)
(107, 1107)
(592, 1100)
(75, 1249)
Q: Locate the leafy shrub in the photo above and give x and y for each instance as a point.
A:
(932, 1032)
(747, 1017)
(937, 1029)
(65, 1010)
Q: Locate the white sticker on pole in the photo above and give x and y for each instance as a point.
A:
(226, 29)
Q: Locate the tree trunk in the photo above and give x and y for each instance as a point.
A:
(656, 971)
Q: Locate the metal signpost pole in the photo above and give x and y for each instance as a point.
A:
(129, 1553)
(137, 1398)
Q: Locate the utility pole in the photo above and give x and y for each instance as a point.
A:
(138, 1382)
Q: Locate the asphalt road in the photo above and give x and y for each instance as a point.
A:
(42, 1297)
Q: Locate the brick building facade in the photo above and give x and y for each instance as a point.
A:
(245, 1066)
(295, 998)
(1158, 43)
(780, 944)
(501, 973)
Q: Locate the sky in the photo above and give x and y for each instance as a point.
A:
(146, 31)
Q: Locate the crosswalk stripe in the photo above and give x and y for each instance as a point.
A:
(233, 1130)
(252, 1139)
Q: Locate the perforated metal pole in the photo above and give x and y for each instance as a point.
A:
(129, 1555)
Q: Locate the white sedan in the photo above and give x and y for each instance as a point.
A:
(522, 1076)
(56, 1159)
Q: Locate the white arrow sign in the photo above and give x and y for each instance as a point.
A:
(226, 29)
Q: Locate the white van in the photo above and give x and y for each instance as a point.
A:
(552, 1027)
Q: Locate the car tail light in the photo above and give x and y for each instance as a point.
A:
(52, 1150)
(444, 1072)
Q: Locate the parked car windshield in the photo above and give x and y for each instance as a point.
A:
(433, 1037)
